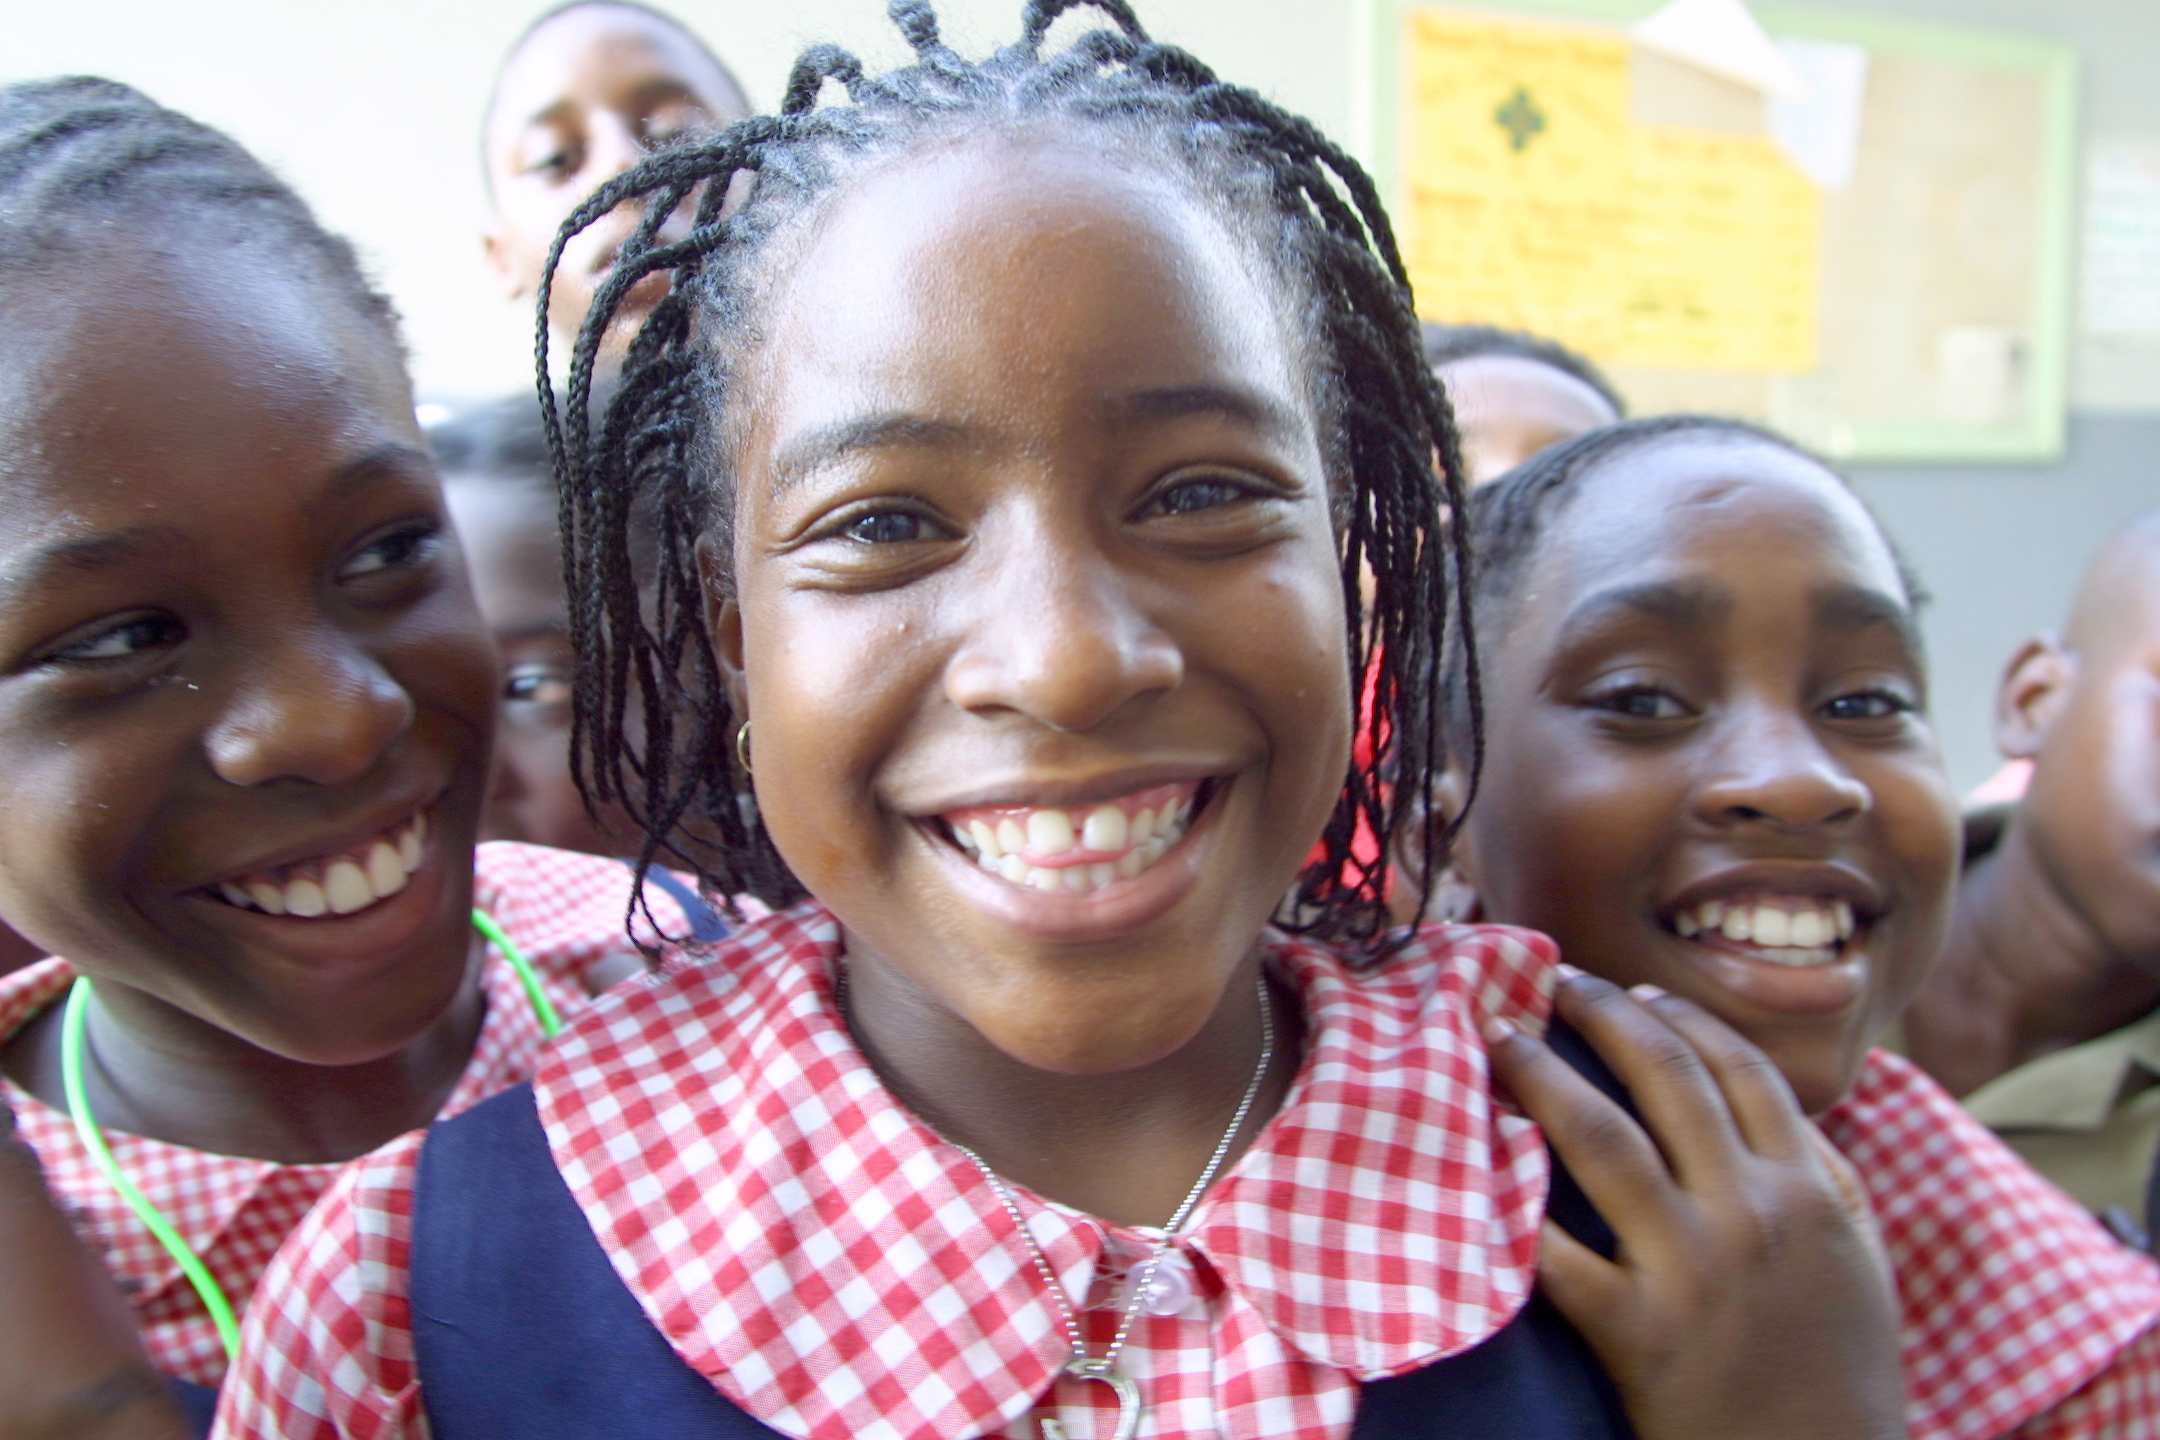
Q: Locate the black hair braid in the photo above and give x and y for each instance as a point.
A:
(87, 164)
(662, 447)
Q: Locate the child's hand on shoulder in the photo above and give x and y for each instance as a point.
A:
(1750, 1294)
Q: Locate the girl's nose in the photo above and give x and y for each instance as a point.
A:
(316, 710)
(1774, 770)
(1067, 646)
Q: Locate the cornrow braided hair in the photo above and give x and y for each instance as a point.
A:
(86, 163)
(1510, 517)
(662, 442)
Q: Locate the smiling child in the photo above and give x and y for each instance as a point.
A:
(1013, 482)
(590, 89)
(1709, 769)
(245, 705)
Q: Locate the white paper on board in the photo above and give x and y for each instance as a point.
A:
(1723, 37)
(1821, 131)
(2122, 240)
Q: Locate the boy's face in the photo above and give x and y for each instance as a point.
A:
(1508, 408)
(507, 530)
(1706, 765)
(2089, 718)
(238, 660)
(584, 98)
(1032, 539)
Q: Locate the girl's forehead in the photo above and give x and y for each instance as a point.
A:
(1037, 251)
(1727, 511)
(153, 377)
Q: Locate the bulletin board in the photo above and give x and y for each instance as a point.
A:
(1895, 289)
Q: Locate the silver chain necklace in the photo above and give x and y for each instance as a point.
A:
(1103, 1368)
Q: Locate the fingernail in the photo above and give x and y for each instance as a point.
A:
(1646, 992)
(1498, 1032)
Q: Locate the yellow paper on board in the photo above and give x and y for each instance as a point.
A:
(1533, 200)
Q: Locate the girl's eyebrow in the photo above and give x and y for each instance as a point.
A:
(822, 446)
(1848, 609)
(1683, 607)
(90, 555)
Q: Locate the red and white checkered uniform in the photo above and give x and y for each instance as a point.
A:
(2014, 1298)
(842, 1273)
(564, 911)
(833, 1267)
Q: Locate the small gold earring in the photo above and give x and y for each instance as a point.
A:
(742, 746)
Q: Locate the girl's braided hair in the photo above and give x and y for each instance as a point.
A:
(658, 460)
(86, 163)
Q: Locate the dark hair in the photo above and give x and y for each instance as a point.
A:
(87, 163)
(1310, 211)
(1446, 344)
(1510, 517)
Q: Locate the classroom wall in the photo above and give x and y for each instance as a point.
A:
(373, 108)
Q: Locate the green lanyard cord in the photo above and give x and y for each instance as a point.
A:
(93, 1139)
(73, 1022)
(550, 1022)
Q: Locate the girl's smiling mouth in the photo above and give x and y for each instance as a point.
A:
(1077, 849)
(1789, 943)
(339, 884)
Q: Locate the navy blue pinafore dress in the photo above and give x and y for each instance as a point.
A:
(198, 1403)
(523, 1330)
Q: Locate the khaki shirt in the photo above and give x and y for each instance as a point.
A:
(2087, 1117)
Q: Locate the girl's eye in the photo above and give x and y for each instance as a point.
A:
(1189, 497)
(400, 549)
(891, 527)
(1640, 702)
(536, 684)
(131, 637)
(1868, 705)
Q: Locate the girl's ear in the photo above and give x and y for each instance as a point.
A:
(1454, 896)
(2035, 687)
(723, 621)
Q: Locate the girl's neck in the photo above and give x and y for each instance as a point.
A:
(2023, 974)
(156, 1071)
(1125, 1146)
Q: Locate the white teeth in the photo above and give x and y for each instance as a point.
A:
(1794, 932)
(1131, 863)
(1077, 880)
(986, 840)
(1101, 873)
(1105, 830)
(1142, 826)
(305, 898)
(347, 884)
(385, 872)
(345, 888)
(1049, 832)
(1010, 836)
(1043, 878)
(1013, 868)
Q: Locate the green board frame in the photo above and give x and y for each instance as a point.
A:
(1377, 55)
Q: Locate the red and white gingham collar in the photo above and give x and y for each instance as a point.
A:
(829, 1263)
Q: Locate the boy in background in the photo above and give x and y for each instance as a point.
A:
(586, 92)
(1516, 394)
(2044, 1013)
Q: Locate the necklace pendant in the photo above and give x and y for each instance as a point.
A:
(1103, 1371)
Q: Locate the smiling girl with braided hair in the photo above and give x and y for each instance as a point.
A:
(1012, 454)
